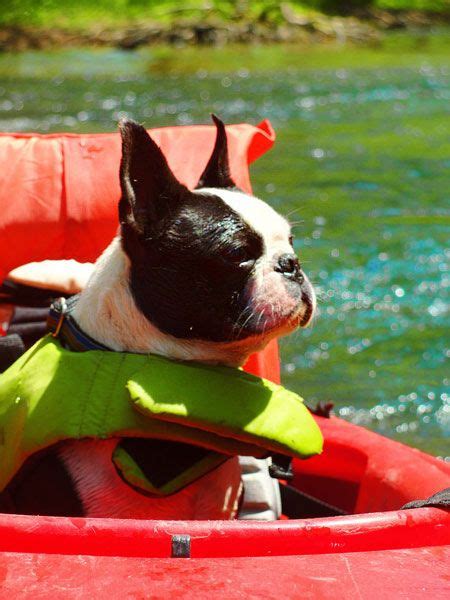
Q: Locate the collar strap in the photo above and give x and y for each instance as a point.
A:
(62, 325)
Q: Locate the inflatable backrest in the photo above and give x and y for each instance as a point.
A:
(59, 192)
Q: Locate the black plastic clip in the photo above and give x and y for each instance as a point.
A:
(181, 546)
(281, 467)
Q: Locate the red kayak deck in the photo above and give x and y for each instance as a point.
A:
(384, 575)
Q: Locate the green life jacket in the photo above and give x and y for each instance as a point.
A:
(52, 394)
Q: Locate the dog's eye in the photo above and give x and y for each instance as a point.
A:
(291, 240)
(235, 254)
(239, 256)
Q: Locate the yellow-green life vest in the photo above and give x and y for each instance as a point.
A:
(53, 394)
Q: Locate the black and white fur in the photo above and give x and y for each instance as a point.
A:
(207, 275)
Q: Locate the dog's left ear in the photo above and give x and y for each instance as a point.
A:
(149, 188)
(217, 171)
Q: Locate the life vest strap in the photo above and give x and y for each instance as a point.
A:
(161, 467)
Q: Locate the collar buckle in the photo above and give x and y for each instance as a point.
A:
(62, 313)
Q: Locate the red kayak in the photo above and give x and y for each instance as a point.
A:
(369, 548)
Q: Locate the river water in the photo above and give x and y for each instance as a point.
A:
(361, 167)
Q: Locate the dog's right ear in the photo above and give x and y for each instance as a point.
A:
(217, 171)
(149, 188)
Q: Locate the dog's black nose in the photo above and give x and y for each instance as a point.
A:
(289, 266)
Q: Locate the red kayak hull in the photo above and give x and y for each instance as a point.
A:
(384, 575)
(393, 530)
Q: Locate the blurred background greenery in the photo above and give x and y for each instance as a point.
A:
(208, 21)
(359, 95)
(82, 12)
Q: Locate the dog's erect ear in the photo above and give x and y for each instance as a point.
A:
(217, 171)
(149, 188)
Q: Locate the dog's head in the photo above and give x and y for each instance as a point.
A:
(213, 265)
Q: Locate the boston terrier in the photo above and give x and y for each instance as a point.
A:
(206, 275)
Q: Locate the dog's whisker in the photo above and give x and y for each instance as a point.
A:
(241, 328)
(242, 314)
(261, 315)
(293, 211)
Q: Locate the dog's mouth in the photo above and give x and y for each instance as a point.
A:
(308, 301)
(299, 317)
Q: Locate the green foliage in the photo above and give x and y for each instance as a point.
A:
(75, 13)
(437, 6)
(80, 13)
(336, 6)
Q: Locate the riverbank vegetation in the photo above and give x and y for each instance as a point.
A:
(128, 24)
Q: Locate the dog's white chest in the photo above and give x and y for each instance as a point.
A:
(104, 494)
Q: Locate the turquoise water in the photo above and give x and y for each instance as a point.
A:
(361, 167)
